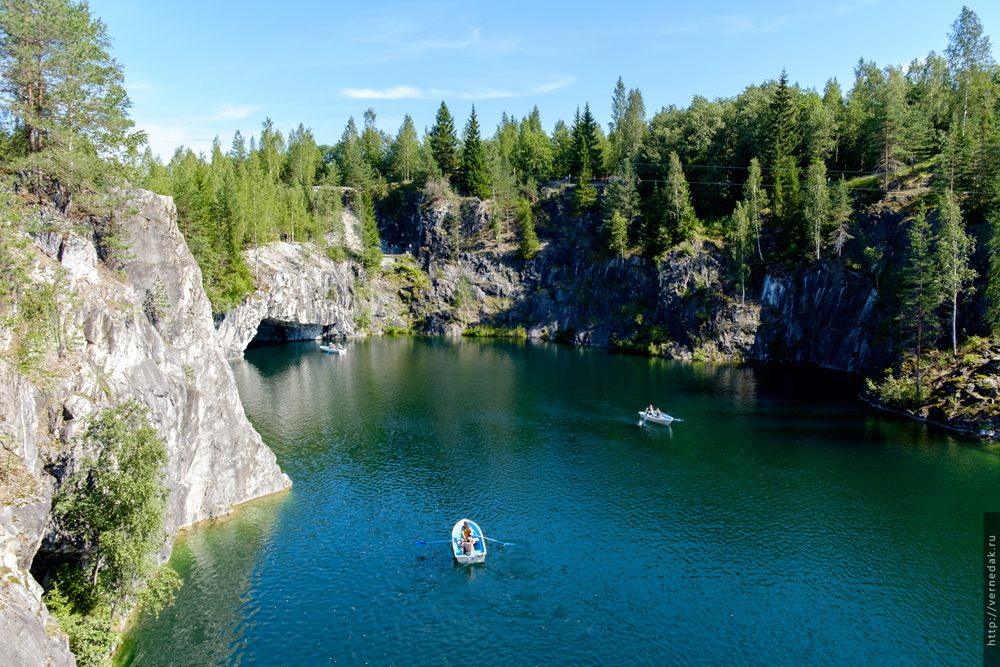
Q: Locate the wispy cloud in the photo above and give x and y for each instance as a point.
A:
(397, 93)
(139, 86)
(229, 112)
(727, 25)
(488, 93)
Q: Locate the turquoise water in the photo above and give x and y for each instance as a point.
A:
(782, 523)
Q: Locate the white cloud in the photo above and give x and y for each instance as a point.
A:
(727, 25)
(409, 92)
(229, 112)
(397, 93)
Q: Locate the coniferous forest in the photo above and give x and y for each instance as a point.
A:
(778, 175)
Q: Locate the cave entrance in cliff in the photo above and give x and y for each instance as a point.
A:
(277, 332)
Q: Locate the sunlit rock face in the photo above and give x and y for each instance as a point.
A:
(134, 326)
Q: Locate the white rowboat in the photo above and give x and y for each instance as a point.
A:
(329, 349)
(662, 418)
(477, 554)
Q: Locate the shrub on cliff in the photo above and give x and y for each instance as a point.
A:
(113, 505)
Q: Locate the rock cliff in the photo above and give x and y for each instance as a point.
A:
(138, 326)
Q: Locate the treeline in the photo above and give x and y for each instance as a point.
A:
(777, 169)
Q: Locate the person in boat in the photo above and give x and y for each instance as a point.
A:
(468, 536)
(467, 546)
(650, 411)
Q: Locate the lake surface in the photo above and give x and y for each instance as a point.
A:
(781, 523)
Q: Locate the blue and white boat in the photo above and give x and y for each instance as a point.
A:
(333, 349)
(468, 553)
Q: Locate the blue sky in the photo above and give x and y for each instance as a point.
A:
(196, 70)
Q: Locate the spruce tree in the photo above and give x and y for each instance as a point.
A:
(444, 142)
(784, 139)
(371, 244)
(585, 195)
(921, 293)
(993, 276)
(475, 176)
(618, 237)
(528, 246)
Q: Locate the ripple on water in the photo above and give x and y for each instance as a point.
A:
(762, 530)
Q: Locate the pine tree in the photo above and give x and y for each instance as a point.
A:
(444, 142)
(475, 176)
(354, 169)
(65, 94)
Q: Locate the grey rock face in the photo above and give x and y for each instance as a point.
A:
(301, 295)
(822, 314)
(150, 338)
(28, 635)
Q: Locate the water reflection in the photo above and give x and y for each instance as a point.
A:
(780, 523)
(221, 562)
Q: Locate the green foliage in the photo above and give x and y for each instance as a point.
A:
(898, 393)
(738, 236)
(954, 249)
(371, 245)
(33, 311)
(993, 276)
(816, 207)
(528, 245)
(585, 194)
(475, 176)
(618, 241)
(91, 637)
(840, 215)
(495, 331)
(66, 97)
(114, 503)
(678, 213)
(443, 141)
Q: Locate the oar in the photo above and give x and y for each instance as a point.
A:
(644, 415)
(506, 544)
(423, 544)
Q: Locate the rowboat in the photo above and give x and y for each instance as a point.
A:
(330, 349)
(661, 418)
(477, 553)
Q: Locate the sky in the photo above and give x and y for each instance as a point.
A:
(197, 70)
